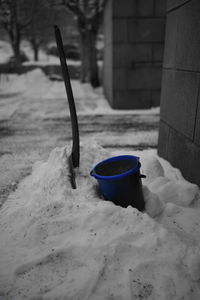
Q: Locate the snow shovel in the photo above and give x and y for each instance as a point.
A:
(74, 158)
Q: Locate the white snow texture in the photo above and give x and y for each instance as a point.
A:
(59, 243)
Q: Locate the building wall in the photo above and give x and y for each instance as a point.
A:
(179, 137)
(134, 42)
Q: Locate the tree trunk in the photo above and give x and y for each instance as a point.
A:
(35, 47)
(16, 50)
(36, 52)
(85, 64)
(89, 67)
(15, 34)
(15, 39)
(94, 74)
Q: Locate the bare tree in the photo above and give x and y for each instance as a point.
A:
(40, 29)
(89, 17)
(15, 15)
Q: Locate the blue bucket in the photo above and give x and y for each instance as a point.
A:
(119, 180)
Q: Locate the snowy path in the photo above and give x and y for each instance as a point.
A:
(34, 118)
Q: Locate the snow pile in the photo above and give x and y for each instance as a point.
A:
(59, 243)
(5, 52)
(44, 59)
(175, 190)
(34, 83)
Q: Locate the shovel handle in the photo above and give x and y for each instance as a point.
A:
(72, 108)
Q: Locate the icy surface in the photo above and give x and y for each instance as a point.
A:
(59, 243)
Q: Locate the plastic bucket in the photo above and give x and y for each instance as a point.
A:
(119, 180)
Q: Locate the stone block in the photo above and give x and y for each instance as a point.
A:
(108, 55)
(120, 30)
(149, 64)
(158, 52)
(119, 79)
(179, 100)
(108, 36)
(173, 4)
(197, 124)
(182, 37)
(132, 99)
(144, 78)
(125, 9)
(145, 7)
(108, 83)
(146, 29)
(188, 37)
(141, 52)
(124, 55)
(107, 23)
(155, 98)
(160, 7)
(185, 155)
(163, 139)
(170, 40)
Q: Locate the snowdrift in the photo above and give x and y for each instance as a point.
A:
(34, 83)
(59, 243)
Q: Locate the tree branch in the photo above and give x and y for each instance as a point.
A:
(4, 24)
(72, 5)
(29, 21)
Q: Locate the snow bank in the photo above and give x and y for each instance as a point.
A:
(34, 83)
(59, 243)
(5, 52)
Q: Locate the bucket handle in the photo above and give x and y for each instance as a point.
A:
(142, 176)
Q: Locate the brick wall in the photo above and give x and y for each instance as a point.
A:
(179, 138)
(134, 42)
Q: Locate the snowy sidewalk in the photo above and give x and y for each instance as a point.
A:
(34, 119)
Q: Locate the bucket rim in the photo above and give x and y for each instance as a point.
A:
(118, 176)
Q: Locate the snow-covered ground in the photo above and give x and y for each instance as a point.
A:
(35, 84)
(5, 51)
(59, 243)
(35, 94)
(44, 59)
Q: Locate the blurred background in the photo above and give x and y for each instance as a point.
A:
(118, 46)
(27, 27)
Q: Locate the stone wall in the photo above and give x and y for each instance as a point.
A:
(179, 138)
(134, 42)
